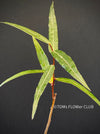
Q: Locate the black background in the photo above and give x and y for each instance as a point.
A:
(79, 36)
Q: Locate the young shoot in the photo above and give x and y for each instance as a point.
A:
(47, 69)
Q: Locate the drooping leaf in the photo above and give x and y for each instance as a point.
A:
(43, 60)
(68, 64)
(21, 74)
(29, 32)
(53, 30)
(82, 88)
(41, 87)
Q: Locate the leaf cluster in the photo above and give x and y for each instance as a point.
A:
(60, 56)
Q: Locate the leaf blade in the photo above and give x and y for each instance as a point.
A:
(43, 60)
(20, 74)
(68, 64)
(41, 87)
(29, 32)
(78, 85)
(53, 30)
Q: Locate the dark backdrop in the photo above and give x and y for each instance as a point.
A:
(79, 36)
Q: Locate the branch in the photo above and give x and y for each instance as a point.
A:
(50, 114)
(53, 99)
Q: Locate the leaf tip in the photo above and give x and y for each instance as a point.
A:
(89, 89)
(35, 103)
(32, 117)
(3, 22)
(86, 86)
(33, 113)
(1, 84)
(52, 4)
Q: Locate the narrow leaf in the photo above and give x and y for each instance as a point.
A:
(53, 30)
(21, 74)
(68, 64)
(43, 60)
(41, 87)
(29, 32)
(82, 88)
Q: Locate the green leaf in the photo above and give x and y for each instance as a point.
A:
(29, 32)
(53, 30)
(68, 64)
(41, 87)
(82, 88)
(43, 60)
(21, 74)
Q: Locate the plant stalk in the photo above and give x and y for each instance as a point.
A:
(53, 100)
(50, 114)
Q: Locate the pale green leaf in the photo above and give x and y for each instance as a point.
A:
(68, 64)
(43, 60)
(41, 87)
(21, 74)
(53, 30)
(29, 32)
(82, 88)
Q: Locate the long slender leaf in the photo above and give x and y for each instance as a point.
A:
(41, 87)
(82, 88)
(68, 64)
(21, 74)
(43, 60)
(53, 30)
(29, 32)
